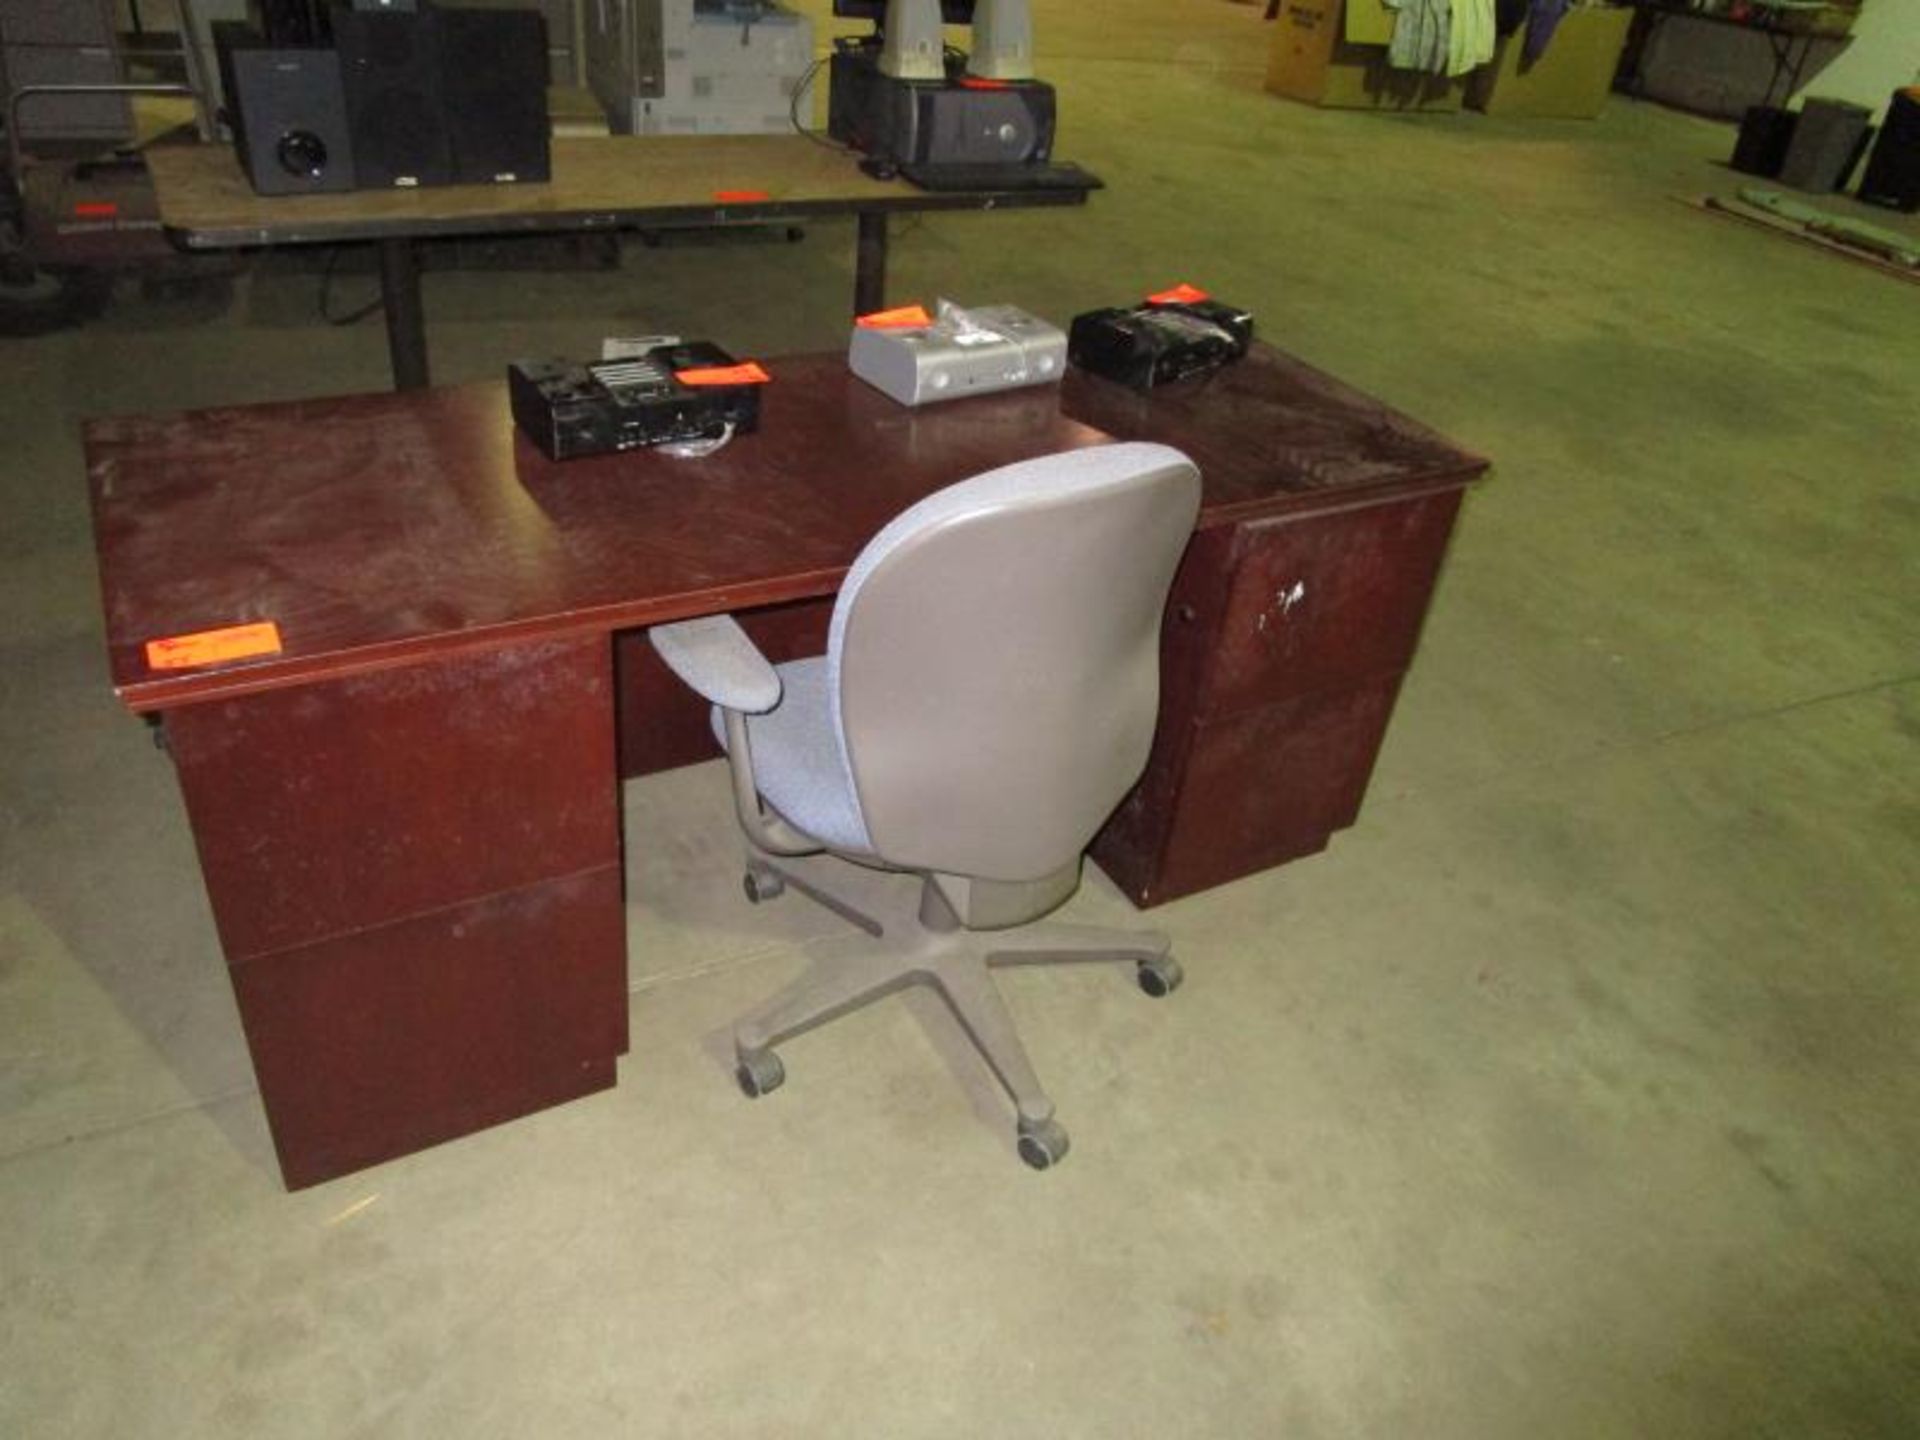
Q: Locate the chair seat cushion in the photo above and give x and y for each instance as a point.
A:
(796, 758)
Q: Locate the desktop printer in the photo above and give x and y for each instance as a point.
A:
(696, 67)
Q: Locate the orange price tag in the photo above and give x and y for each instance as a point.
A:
(1181, 294)
(740, 197)
(96, 209)
(747, 374)
(214, 647)
(907, 317)
(980, 82)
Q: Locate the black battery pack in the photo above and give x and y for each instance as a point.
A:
(570, 408)
(1159, 342)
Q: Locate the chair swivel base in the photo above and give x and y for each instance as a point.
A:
(894, 951)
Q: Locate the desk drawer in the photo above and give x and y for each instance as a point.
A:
(377, 1044)
(344, 804)
(1228, 797)
(1325, 600)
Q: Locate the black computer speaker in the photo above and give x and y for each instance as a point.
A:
(390, 69)
(493, 80)
(288, 113)
(1893, 172)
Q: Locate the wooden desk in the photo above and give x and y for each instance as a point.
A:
(408, 820)
(682, 182)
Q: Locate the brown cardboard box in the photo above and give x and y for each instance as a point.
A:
(1311, 60)
(1570, 81)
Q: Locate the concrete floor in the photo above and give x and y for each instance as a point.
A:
(1572, 1093)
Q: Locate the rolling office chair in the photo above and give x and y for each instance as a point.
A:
(988, 695)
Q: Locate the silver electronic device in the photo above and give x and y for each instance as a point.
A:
(962, 352)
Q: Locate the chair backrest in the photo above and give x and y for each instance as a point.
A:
(995, 658)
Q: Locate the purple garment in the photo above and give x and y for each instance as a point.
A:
(1543, 18)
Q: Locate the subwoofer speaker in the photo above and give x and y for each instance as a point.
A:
(390, 67)
(288, 113)
(493, 80)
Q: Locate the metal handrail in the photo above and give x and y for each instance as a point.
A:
(15, 155)
(194, 89)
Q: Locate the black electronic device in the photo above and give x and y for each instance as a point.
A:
(390, 69)
(291, 22)
(952, 12)
(1826, 144)
(1063, 175)
(568, 408)
(1159, 342)
(1765, 133)
(1893, 169)
(493, 82)
(288, 113)
(955, 121)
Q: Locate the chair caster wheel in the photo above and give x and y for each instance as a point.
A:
(1043, 1145)
(759, 1072)
(1160, 978)
(762, 885)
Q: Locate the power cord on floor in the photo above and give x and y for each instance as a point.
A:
(352, 317)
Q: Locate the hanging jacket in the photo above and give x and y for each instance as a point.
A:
(1543, 18)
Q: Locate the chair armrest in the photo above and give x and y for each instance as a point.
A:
(716, 659)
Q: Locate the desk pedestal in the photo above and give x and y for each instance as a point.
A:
(1285, 643)
(416, 877)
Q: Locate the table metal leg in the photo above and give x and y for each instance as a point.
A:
(1798, 64)
(406, 317)
(870, 264)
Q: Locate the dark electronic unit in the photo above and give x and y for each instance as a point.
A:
(1765, 133)
(288, 113)
(291, 22)
(493, 82)
(952, 12)
(390, 65)
(370, 95)
(568, 408)
(1160, 341)
(956, 121)
(1893, 172)
(916, 106)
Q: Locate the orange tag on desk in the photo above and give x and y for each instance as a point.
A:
(214, 647)
(740, 197)
(907, 317)
(980, 82)
(747, 374)
(1181, 294)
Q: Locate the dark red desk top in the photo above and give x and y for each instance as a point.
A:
(381, 529)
